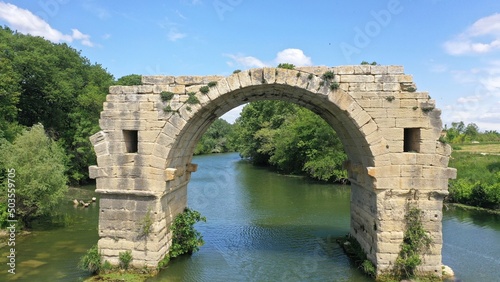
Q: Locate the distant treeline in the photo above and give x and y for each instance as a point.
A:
(282, 135)
(460, 133)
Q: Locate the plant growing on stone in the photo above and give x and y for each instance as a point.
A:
(427, 109)
(91, 261)
(167, 109)
(329, 75)
(166, 96)
(236, 71)
(416, 241)
(125, 258)
(192, 99)
(212, 83)
(390, 98)
(310, 76)
(146, 224)
(185, 239)
(334, 86)
(286, 66)
(366, 63)
(204, 89)
(357, 255)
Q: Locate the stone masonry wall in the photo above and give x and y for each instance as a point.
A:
(390, 133)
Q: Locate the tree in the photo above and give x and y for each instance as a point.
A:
(216, 139)
(291, 139)
(39, 173)
(131, 79)
(52, 84)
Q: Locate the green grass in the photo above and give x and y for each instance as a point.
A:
(486, 148)
(120, 276)
(478, 176)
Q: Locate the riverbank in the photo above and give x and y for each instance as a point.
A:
(478, 175)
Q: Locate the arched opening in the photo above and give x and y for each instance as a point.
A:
(337, 108)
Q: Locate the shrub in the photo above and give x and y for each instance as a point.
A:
(286, 66)
(236, 71)
(167, 109)
(185, 239)
(415, 241)
(310, 76)
(328, 75)
(125, 258)
(192, 99)
(212, 83)
(166, 95)
(39, 163)
(334, 86)
(91, 261)
(390, 98)
(204, 89)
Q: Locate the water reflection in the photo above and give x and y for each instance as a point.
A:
(261, 227)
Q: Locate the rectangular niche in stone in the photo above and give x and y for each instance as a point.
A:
(412, 140)
(131, 140)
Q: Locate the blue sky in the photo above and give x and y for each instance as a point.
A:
(451, 47)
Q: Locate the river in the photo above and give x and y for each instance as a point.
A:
(260, 226)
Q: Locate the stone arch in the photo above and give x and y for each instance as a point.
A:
(375, 110)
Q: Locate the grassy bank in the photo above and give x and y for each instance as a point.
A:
(478, 175)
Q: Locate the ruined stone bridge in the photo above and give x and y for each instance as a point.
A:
(390, 132)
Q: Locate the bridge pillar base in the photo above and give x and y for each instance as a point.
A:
(138, 222)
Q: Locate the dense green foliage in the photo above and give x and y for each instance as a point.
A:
(460, 133)
(217, 139)
(478, 175)
(128, 80)
(51, 84)
(186, 239)
(416, 241)
(125, 258)
(40, 180)
(91, 261)
(286, 66)
(290, 138)
(478, 180)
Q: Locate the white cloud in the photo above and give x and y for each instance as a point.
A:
(292, 56)
(26, 22)
(482, 105)
(174, 34)
(481, 37)
(245, 61)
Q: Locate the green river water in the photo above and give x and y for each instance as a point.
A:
(260, 226)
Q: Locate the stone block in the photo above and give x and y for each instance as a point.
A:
(357, 78)
(245, 79)
(344, 70)
(395, 69)
(362, 69)
(233, 82)
(391, 86)
(157, 79)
